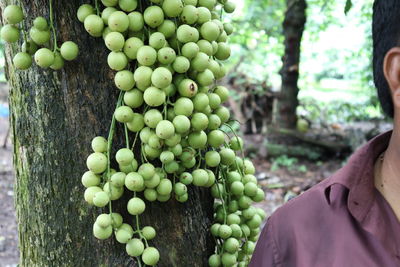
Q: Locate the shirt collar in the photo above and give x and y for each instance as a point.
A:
(358, 176)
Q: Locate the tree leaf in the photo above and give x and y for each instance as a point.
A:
(349, 5)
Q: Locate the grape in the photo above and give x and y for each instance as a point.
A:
(153, 16)
(124, 156)
(102, 233)
(113, 191)
(229, 7)
(134, 247)
(44, 57)
(224, 231)
(204, 15)
(22, 61)
(124, 80)
(69, 50)
(154, 97)
(136, 21)
(101, 199)
(150, 256)
(167, 28)
(104, 220)
(40, 23)
(29, 47)
(89, 179)
(200, 177)
(228, 259)
(161, 77)
(146, 55)
(109, 3)
(142, 76)
(9, 33)
(200, 62)
(13, 14)
(214, 260)
(84, 11)
(90, 192)
(157, 40)
(189, 14)
(190, 50)
(94, 25)
(128, 5)
(136, 206)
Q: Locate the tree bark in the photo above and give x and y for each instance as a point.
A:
(54, 115)
(293, 27)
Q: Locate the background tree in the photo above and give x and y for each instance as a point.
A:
(54, 116)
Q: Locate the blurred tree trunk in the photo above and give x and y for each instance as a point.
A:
(293, 27)
(54, 116)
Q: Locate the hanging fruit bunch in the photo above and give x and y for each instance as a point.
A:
(168, 58)
(38, 44)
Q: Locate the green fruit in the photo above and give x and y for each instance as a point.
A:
(124, 80)
(58, 62)
(183, 106)
(153, 16)
(250, 189)
(117, 60)
(102, 233)
(231, 245)
(229, 7)
(118, 21)
(123, 236)
(206, 47)
(13, 14)
(204, 15)
(128, 5)
(90, 192)
(152, 117)
(180, 189)
(197, 140)
(237, 188)
(136, 21)
(136, 206)
(214, 100)
(97, 162)
(118, 179)
(165, 129)
(89, 179)
(131, 167)
(133, 98)
(150, 194)
(154, 97)
(104, 220)
(94, 25)
(186, 34)
(116, 220)
(161, 77)
(123, 114)
(210, 4)
(260, 196)
(157, 40)
(187, 88)
(172, 8)
(223, 52)
(69, 50)
(142, 77)
(148, 232)
(134, 182)
(134, 247)
(189, 14)
(227, 156)
(224, 231)
(190, 50)
(9, 33)
(99, 144)
(199, 121)
(205, 78)
(146, 55)
(200, 177)
(84, 11)
(210, 31)
(166, 55)
(181, 64)
(200, 62)
(212, 158)
(147, 171)
(137, 123)
(183, 198)
(22, 61)
(215, 229)
(114, 41)
(214, 260)
(105, 14)
(228, 259)
(109, 3)
(215, 138)
(40, 23)
(39, 37)
(186, 178)
(114, 192)
(171, 167)
(223, 113)
(181, 123)
(124, 156)
(150, 256)
(244, 202)
(101, 199)
(165, 187)
(167, 28)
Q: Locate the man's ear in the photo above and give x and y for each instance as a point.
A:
(391, 69)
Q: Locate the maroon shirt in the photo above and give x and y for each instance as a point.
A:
(342, 222)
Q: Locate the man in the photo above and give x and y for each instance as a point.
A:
(352, 218)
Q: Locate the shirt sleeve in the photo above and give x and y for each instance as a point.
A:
(266, 252)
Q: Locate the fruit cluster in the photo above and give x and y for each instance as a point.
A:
(167, 56)
(40, 36)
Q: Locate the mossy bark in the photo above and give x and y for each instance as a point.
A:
(293, 27)
(54, 116)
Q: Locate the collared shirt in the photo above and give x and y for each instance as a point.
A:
(343, 221)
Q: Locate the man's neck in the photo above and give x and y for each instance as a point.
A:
(387, 173)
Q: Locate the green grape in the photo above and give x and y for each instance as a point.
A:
(231, 245)
(183, 106)
(154, 97)
(124, 156)
(105, 14)
(146, 55)
(40, 23)
(148, 232)
(153, 16)
(165, 187)
(136, 21)
(109, 3)
(22, 60)
(99, 144)
(204, 15)
(29, 47)
(89, 179)
(215, 138)
(9, 33)
(161, 77)
(186, 34)
(97, 162)
(197, 140)
(128, 5)
(210, 4)
(90, 192)
(200, 62)
(147, 171)
(224, 231)
(13, 14)
(136, 206)
(84, 11)
(102, 233)
(114, 41)
(134, 182)
(167, 28)
(189, 15)
(182, 198)
(58, 62)
(150, 256)
(118, 179)
(186, 178)
(94, 25)
(117, 60)
(157, 40)
(116, 220)
(212, 158)
(181, 64)
(228, 259)
(199, 121)
(214, 260)
(113, 191)
(38, 36)
(200, 177)
(190, 50)
(101, 199)
(69, 50)
(229, 7)
(118, 21)
(172, 8)
(134, 247)
(133, 98)
(142, 76)
(123, 236)
(104, 220)
(124, 80)
(123, 114)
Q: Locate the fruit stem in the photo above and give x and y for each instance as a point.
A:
(52, 26)
(237, 138)
(222, 199)
(96, 4)
(109, 146)
(134, 140)
(126, 135)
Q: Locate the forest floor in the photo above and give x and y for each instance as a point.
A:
(279, 185)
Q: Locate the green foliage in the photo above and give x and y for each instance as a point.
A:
(348, 6)
(289, 162)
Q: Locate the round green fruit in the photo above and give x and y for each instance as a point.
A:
(69, 50)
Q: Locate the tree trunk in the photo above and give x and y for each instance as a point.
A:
(54, 116)
(293, 27)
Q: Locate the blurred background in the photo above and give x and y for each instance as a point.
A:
(297, 130)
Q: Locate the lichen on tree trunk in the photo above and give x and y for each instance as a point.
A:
(293, 27)
(54, 115)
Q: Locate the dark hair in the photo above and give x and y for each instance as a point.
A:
(385, 35)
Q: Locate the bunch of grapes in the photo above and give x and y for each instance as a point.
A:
(38, 45)
(167, 56)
